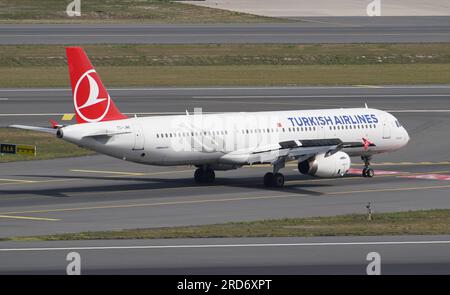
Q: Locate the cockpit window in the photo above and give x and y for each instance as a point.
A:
(398, 124)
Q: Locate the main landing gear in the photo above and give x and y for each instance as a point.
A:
(275, 179)
(367, 171)
(204, 175)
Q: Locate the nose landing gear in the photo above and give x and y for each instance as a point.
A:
(367, 171)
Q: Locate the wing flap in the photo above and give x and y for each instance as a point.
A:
(290, 150)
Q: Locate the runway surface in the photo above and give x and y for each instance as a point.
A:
(261, 256)
(303, 30)
(100, 193)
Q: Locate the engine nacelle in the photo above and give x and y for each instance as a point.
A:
(334, 165)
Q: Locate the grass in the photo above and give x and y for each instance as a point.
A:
(119, 11)
(426, 222)
(48, 146)
(226, 65)
(230, 54)
(237, 75)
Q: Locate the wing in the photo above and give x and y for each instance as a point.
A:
(287, 150)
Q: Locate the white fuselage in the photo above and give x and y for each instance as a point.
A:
(232, 139)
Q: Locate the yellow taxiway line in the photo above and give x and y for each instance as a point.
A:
(220, 200)
(368, 86)
(119, 173)
(29, 218)
(108, 172)
(9, 180)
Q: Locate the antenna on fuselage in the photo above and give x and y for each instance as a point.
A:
(187, 113)
(366, 105)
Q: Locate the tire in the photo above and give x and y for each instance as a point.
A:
(268, 177)
(278, 180)
(198, 176)
(209, 176)
(364, 172)
(370, 173)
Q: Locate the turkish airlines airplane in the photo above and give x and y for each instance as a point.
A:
(321, 141)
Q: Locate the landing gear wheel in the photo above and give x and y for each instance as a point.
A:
(209, 176)
(364, 171)
(278, 180)
(198, 175)
(369, 172)
(268, 179)
(204, 176)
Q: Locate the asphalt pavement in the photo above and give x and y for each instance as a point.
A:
(299, 30)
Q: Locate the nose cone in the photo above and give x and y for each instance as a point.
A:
(406, 136)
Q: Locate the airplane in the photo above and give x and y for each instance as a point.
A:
(321, 141)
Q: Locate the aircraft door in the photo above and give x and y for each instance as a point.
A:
(386, 128)
(139, 139)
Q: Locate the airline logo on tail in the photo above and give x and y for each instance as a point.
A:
(91, 102)
(90, 98)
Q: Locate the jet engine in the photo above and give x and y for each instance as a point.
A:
(323, 165)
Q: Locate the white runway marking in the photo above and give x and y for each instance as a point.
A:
(322, 96)
(234, 88)
(230, 246)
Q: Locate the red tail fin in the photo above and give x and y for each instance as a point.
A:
(91, 100)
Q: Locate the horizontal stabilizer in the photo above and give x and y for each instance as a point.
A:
(35, 128)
